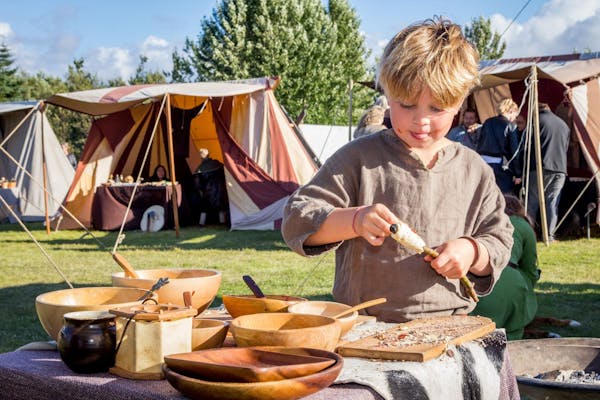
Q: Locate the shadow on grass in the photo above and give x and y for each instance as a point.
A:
(579, 302)
(192, 238)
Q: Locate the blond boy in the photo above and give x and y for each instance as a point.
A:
(409, 173)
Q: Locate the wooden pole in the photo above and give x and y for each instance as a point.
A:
(44, 172)
(174, 197)
(351, 90)
(538, 157)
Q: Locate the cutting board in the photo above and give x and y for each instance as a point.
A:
(420, 339)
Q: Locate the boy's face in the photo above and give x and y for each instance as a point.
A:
(420, 123)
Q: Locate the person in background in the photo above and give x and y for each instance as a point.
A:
(468, 132)
(408, 173)
(70, 156)
(512, 304)
(554, 139)
(498, 143)
(210, 183)
(160, 174)
(370, 122)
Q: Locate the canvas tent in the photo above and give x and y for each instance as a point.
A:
(27, 138)
(239, 122)
(562, 81)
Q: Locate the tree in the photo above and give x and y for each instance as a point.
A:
(487, 43)
(10, 80)
(316, 51)
(142, 76)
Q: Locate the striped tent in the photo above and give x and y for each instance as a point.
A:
(239, 122)
(570, 86)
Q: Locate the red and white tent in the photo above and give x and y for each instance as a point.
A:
(239, 122)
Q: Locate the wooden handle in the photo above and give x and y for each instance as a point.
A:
(123, 263)
(360, 306)
(467, 284)
(253, 286)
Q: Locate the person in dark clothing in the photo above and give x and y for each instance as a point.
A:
(159, 175)
(554, 139)
(498, 143)
(214, 203)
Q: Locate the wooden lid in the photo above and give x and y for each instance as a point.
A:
(154, 312)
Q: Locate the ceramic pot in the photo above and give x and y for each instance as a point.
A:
(86, 342)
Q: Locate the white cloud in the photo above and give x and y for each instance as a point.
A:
(560, 27)
(158, 52)
(5, 31)
(111, 62)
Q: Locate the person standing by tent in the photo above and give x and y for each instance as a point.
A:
(410, 173)
(468, 132)
(554, 139)
(212, 189)
(498, 142)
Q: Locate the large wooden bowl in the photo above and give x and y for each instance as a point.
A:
(208, 333)
(51, 306)
(284, 329)
(249, 304)
(202, 283)
(287, 389)
(328, 309)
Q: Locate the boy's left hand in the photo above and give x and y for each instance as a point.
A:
(455, 259)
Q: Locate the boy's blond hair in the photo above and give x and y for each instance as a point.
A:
(507, 106)
(432, 54)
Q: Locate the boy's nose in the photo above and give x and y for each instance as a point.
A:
(423, 123)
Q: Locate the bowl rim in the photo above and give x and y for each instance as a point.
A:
(121, 274)
(40, 298)
(235, 322)
(354, 314)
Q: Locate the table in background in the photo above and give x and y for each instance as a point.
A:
(110, 204)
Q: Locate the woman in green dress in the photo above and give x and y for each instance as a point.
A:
(512, 304)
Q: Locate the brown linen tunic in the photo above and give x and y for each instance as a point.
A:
(457, 197)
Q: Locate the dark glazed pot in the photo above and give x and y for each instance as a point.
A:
(87, 340)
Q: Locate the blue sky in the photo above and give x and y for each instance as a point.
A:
(46, 35)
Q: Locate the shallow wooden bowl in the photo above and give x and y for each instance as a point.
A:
(328, 309)
(208, 333)
(51, 306)
(290, 389)
(202, 283)
(245, 364)
(249, 304)
(285, 329)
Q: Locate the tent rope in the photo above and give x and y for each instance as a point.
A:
(121, 235)
(14, 214)
(576, 200)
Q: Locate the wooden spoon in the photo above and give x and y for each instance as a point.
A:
(360, 306)
(253, 286)
(123, 263)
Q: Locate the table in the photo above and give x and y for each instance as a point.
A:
(33, 375)
(110, 204)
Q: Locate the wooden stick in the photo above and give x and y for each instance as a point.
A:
(467, 284)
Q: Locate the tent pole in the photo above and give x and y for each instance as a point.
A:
(538, 156)
(44, 173)
(351, 91)
(174, 198)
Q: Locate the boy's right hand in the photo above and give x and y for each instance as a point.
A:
(373, 223)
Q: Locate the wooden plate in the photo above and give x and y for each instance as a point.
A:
(245, 364)
(289, 389)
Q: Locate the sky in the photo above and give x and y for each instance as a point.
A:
(110, 35)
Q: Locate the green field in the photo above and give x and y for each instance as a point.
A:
(569, 286)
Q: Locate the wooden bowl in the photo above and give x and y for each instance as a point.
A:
(245, 364)
(51, 306)
(203, 283)
(284, 329)
(249, 304)
(208, 333)
(328, 309)
(290, 389)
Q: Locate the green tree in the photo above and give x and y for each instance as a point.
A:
(315, 50)
(142, 76)
(10, 79)
(487, 42)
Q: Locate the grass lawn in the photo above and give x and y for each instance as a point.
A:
(569, 287)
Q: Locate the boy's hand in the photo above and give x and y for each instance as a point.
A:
(455, 259)
(373, 223)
